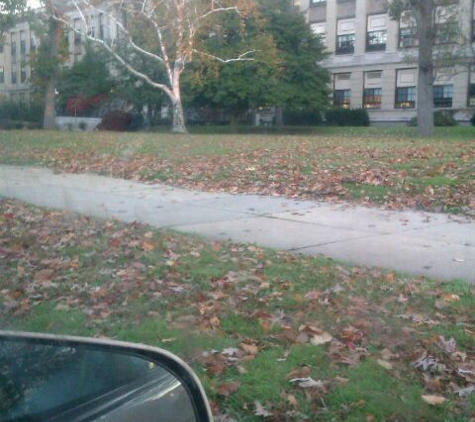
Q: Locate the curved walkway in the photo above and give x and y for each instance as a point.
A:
(435, 245)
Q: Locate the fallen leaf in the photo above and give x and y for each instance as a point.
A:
(465, 392)
(148, 247)
(323, 338)
(385, 364)
(261, 410)
(249, 348)
(434, 400)
(228, 388)
(308, 382)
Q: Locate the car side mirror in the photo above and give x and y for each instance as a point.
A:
(60, 378)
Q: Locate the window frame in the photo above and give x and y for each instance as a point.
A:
(372, 105)
(409, 102)
(345, 98)
(443, 101)
(350, 48)
(414, 40)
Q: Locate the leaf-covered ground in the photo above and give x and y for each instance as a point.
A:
(389, 168)
(273, 336)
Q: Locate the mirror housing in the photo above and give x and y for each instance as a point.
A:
(109, 381)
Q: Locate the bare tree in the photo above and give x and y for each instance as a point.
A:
(165, 31)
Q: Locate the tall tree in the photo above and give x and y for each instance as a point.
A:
(52, 41)
(238, 88)
(436, 28)
(303, 83)
(174, 25)
(287, 74)
(46, 60)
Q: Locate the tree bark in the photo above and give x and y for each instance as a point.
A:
(178, 125)
(49, 118)
(424, 13)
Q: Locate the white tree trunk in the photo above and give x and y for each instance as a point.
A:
(178, 125)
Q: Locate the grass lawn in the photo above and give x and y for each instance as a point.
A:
(389, 167)
(378, 345)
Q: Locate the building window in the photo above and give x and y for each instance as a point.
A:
(345, 40)
(345, 44)
(23, 74)
(77, 33)
(317, 1)
(376, 40)
(1, 48)
(13, 47)
(33, 44)
(471, 94)
(92, 28)
(22, 43)
(372, 97)
(446, 24)
(443, 95)
(406, 92)
(101, 26)
(319, 29)
(372, 89)
(377, 34)
(2, 75)
(342, 90)
(406, 97)
(342, 98)
(408, 38)
(14, 77)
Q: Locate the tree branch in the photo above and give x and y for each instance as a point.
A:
(240, 58)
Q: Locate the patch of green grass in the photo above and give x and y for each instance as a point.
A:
(45, 317)
(307, 165)
(361, 190)
(205, 301)
(370, 386)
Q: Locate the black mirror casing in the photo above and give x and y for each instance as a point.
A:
(124, 381)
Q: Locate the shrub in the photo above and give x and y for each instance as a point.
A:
(12, 111)
(441, 118)
(136, 123)
(472, 120)
(347, 117)
(444, 118)
(302, 118)
(117, 120)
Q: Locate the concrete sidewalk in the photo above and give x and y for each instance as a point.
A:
(435, 245)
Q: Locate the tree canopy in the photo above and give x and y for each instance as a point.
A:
(285, 74)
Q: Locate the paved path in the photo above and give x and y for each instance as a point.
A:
(436, 245)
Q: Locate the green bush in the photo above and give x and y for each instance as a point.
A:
(472, 120)
(137, 122)
(441, 118)
(347, 117)
(444, 118)
(302, 118)
(11, 111)
(117, 120)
